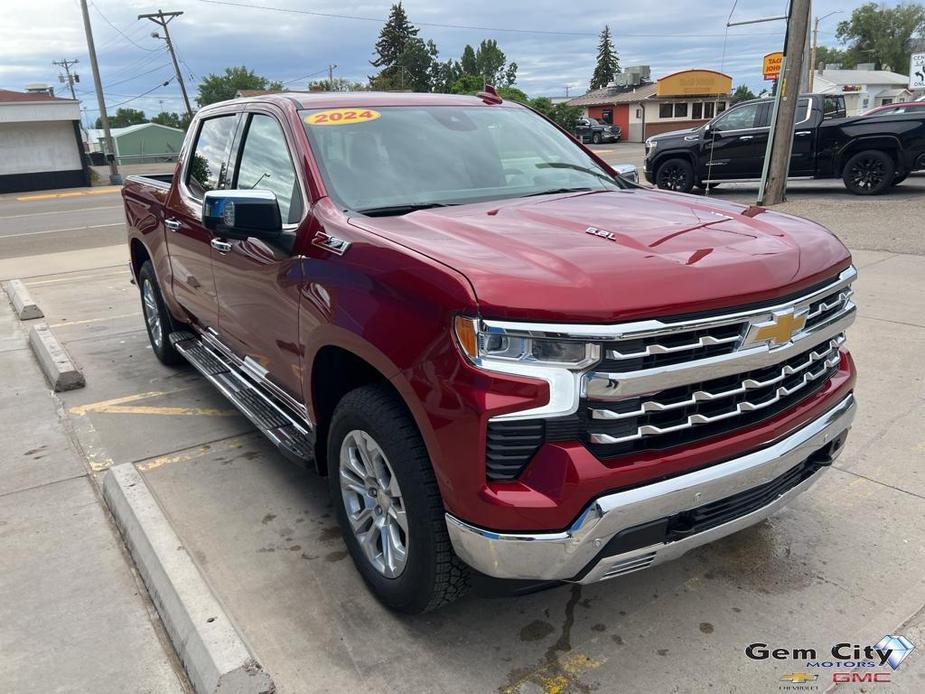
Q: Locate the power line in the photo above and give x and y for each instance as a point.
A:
(139, 96)
(119, 31)
(379, 20)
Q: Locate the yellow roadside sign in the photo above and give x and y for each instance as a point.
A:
(771, 65)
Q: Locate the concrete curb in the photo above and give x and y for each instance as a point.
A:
(25, 307)
(56, 363)
(211, 650)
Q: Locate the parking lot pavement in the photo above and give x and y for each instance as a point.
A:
(73, 617)
(893, 222)
(842, 563)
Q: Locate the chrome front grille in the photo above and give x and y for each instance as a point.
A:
(687, 412)
(662, 383)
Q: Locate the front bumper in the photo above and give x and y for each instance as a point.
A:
(626, 531)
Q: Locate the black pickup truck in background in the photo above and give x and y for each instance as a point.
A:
(869, 154)
(592, 130)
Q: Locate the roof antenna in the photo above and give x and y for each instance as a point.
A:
(489, 95)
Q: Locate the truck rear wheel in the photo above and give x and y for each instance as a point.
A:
(869, 172)
(676, 175)
(388, 504)
(596, 138)
(158, 320)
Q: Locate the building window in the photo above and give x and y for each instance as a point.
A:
(708, 109)
(680, 109)
(665, 110)
(697, 110)
(607, 116)
(884, 102)
(720, 106)
(674, 109)
(638, 114)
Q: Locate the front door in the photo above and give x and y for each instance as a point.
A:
(735, 144)
(258, 283)
(188, 240)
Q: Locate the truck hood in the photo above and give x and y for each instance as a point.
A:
(611, 256)
(672, 134)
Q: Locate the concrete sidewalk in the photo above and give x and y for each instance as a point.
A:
(73, 615)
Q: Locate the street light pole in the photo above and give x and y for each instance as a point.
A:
(114, 177)
(812, 60)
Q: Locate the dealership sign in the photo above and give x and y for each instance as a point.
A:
(917, 71)
(771, 65)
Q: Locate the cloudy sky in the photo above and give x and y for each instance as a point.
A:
(553, 42)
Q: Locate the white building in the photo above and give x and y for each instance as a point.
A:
(40, 143)
(863, 89)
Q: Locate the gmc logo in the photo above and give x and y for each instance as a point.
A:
(859, 677)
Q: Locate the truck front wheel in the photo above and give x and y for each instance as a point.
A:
(158, 320)
(869, 173)
(596, 138)
(676, 175)
(388, 504)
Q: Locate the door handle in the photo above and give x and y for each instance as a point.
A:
(802, 133)
(746, 137)
(172, 224)
(220, 246)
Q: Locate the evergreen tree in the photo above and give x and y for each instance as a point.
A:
(394, 38)
(608, 63)
(405, 61)
(468, 63)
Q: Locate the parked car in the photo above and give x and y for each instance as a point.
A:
(507, 360)
(592, 130)
(868, 154)
(894, 109)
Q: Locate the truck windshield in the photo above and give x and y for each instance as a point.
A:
(393, 160)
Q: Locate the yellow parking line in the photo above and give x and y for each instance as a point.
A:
(192, 454)
(120, 406)
(72, 194)
(66, 323)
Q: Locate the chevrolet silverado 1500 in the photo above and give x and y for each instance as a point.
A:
(868, 154)
(507, 360)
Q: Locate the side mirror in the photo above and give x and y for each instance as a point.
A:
(239, 214)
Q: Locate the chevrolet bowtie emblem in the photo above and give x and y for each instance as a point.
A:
(779, 330)
(799, 677)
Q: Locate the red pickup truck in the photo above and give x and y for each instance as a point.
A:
(508, 360)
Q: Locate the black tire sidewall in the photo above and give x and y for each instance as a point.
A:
(411, 591)
(166, 352)
(886, 182)
(596, 138)
(685, 165)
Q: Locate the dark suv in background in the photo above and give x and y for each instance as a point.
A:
(592, 130)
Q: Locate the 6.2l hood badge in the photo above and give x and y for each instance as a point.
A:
(594, 231)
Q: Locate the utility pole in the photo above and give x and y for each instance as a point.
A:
(162, 19)
(331, 77)
(70, 79)
(114, 177)
(777, 158)
(812, 60)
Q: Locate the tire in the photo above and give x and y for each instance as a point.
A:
(374, 447)
(676, 175)
(158, 321)
(899, 178)
(869, 172)
(596, 138)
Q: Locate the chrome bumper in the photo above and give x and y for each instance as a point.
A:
(566, 555)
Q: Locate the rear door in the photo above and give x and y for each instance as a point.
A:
(802, 155)
(258, 283)
(188, 241)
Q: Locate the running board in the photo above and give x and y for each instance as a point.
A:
(294, 438)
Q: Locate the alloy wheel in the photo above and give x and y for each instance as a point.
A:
(868, 173)
(374, 504)
(152, 314)
(672, 178)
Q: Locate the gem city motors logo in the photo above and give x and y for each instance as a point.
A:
(848, 662)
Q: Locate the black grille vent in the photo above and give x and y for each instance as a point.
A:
(510, 445)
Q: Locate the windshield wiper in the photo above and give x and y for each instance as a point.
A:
(553, 191)
(404, 208)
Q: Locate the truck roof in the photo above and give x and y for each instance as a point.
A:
(373, 99)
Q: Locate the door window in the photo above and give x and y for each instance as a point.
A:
(739, 118)
(265, 164)
(206, 170)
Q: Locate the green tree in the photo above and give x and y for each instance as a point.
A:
(608, 63)
(467, 84)
(742, 93)
(881, 34)
(340, 84)
(444, 75)
(223, 87)
(124, 117)
(830, 56)
(467, 63)
(172, 120)
(492, 66)
(404, 60)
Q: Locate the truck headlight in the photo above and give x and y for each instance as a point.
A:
(523, 352)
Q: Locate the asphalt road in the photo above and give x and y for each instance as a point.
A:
(48, 222)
